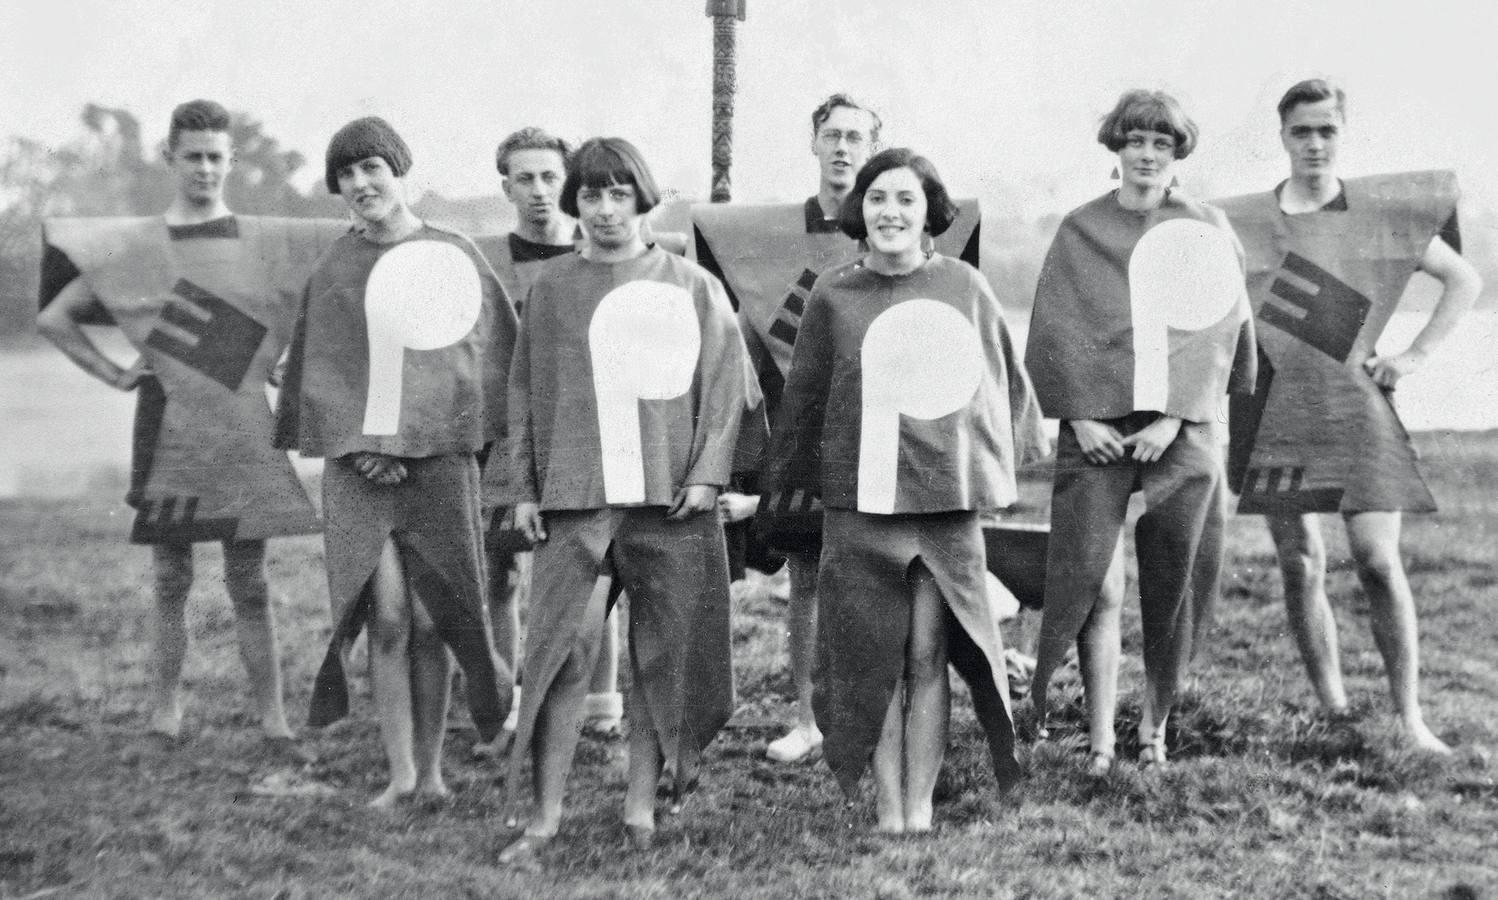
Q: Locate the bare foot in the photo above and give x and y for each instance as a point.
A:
(890, 826)
(523, 853)
(392, 795)
(274, 727)
(433, 787)
(167, 720)
(1424, 739)
(918, 819)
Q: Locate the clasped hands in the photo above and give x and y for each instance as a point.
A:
(1101, 443)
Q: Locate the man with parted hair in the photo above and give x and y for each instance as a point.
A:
(1328, 260)
(207, 298)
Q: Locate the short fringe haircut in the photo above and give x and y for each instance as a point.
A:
(941, 212)
(1148, 111)
(529, 138)
(605, 161)
(196, 115)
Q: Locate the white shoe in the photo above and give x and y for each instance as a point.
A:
(796, 745)
(603, 714)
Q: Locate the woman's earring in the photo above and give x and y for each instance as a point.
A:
(1114, 176)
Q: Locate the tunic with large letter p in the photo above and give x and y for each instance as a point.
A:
(403, 349)
(629, 383)
(1139, 314)
(907, 413)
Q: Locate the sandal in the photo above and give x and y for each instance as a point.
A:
(524, 852)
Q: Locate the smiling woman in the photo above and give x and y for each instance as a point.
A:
(904, 400)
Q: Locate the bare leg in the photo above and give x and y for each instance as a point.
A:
(929, 701)
(509, 582)
(1302, 556)
(1088, 508)
(173, 571)
(889, 765)
(390, 672)
(801, 623)
(1100, 645)
(244, 579)
(1374, 540)
(559, 720)
(604, 706)
(431, 688)
(645, 763)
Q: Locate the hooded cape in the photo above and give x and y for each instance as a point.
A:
(1141, 311)
(630, 380)
(401, 349)
(210, 308)
(1318, 435)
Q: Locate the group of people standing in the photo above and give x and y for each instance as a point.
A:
(578, 409)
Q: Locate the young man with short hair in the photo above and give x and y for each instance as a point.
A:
(532, 165)
(1329, 260)
(202, 467)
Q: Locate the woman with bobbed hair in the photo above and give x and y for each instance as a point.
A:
(1141, 323)
(905, 409)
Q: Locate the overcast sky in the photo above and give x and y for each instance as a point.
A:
(1003, 96)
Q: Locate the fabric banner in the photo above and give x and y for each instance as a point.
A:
(1318, 435)
(210, 312)
(1141, 311)
(402, 349)
(630, 381)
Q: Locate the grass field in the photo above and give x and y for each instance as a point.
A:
(1266, 799)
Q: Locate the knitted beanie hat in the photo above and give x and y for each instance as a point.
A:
(361, 139)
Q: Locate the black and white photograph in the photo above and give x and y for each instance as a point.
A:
(748, 449)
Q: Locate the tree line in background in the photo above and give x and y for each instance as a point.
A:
(108, 171)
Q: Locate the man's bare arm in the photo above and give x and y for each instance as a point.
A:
(1460, 286)
(60, 324)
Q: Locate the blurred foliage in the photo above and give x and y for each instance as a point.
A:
(108, 171)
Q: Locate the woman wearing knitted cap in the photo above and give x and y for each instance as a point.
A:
(396, 376)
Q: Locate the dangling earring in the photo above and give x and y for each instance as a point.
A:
(1174, 182)
(1114, 176)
